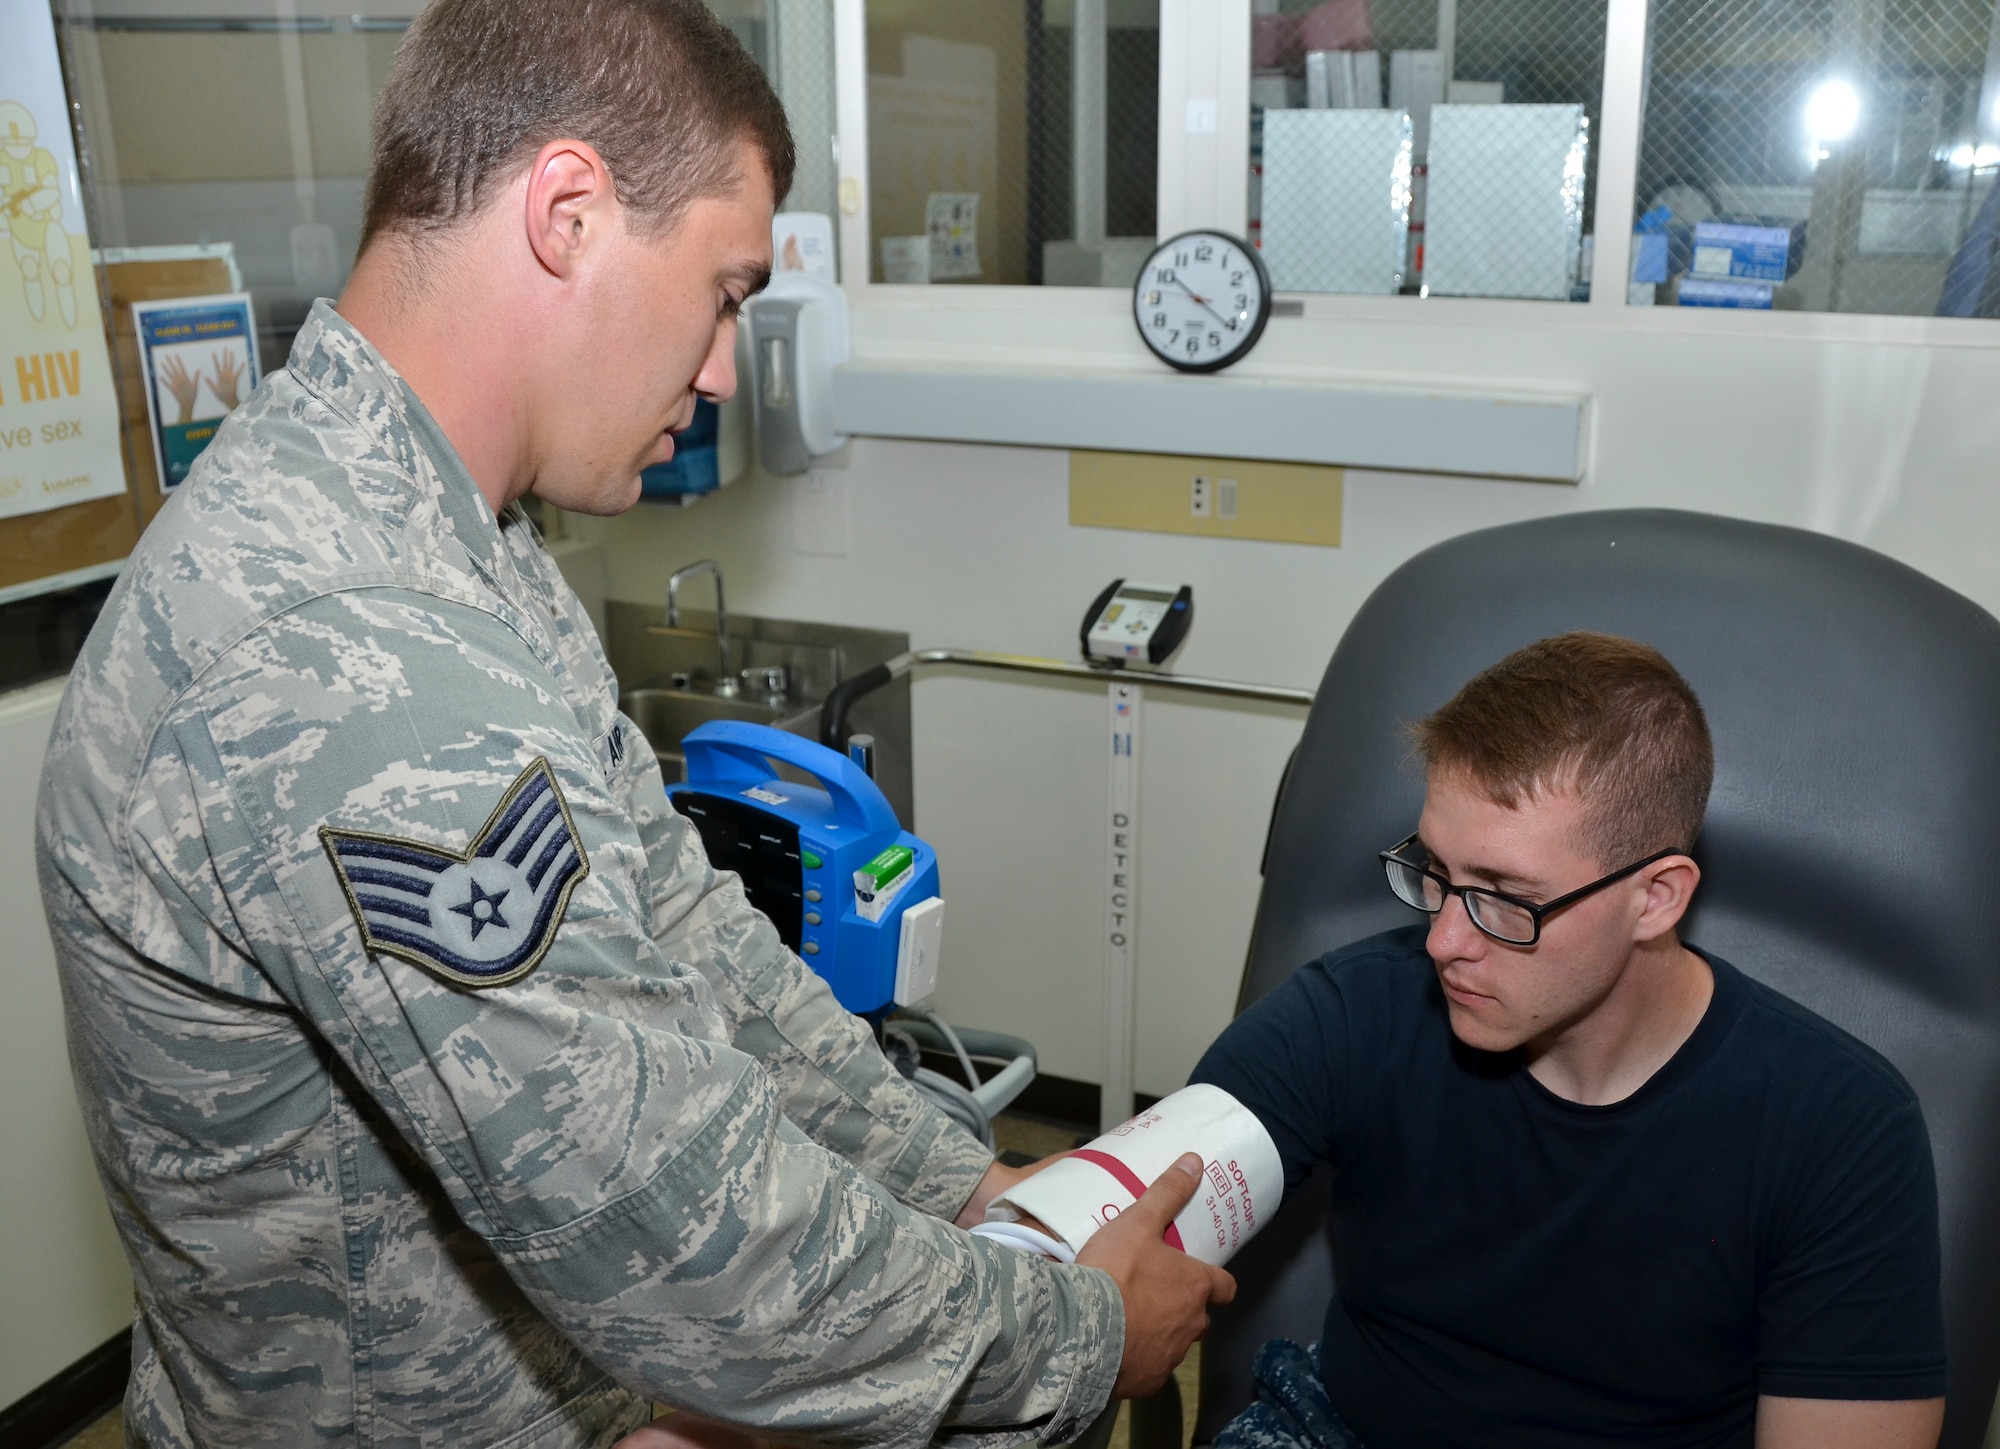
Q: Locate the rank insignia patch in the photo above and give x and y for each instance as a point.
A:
(482, 918)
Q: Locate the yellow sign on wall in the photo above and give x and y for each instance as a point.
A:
(58, 412)
(1208, 497)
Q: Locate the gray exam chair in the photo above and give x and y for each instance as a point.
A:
(1851, 856)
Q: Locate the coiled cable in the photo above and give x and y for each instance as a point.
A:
(964, 1057)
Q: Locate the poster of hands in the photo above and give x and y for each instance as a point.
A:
(58, 412)
(198, 356)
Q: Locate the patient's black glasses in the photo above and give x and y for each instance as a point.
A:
(1503, 917)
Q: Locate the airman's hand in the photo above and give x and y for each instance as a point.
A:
(1167, 1294)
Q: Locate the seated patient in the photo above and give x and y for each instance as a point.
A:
(1590, 1185)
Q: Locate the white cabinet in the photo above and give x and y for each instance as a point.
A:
(64, 1287)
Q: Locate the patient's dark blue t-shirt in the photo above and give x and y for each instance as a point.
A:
(1759, 1218)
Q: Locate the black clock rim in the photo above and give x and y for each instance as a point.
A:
(1243, 348)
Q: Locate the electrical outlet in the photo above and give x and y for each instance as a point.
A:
(1225, 499)
(1201, 497)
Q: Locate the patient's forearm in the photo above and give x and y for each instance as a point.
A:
(999, 1177)
(1848, 1423)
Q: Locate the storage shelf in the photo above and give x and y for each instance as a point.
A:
(1488, 434)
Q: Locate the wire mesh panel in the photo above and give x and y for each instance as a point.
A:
(1336, 199)
(1409, 56)
(1824, 155)
(1013, 141)
(793, 41)
(1506, 200)
(260, 143)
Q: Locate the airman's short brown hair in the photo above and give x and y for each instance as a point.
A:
(1605, 717)
(661, 88)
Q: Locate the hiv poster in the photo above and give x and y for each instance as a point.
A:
(59, 439)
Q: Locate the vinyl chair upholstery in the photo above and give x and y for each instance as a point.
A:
(1849, 858)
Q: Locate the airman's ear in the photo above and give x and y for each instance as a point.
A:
(569, 201)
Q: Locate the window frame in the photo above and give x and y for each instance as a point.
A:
(1198, 177)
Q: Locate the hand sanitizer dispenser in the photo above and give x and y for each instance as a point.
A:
(798, 334)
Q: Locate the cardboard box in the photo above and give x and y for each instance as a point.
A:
(1649, 256)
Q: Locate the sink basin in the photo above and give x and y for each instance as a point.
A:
(665, 716)
(668, 679)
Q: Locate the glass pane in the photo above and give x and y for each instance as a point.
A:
(229, 150)
(793, 41)
(990, 162)
(1824, 155)
(45, 633)
(250, 132)
(254, 132)
(1423, 146)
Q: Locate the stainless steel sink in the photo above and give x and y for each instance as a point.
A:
(668, 679)
(665, 716)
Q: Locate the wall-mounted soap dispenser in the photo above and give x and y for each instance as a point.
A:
(798, 335)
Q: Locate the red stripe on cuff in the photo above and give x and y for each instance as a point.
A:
(1129, 1180)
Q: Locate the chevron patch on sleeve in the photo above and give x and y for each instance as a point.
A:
(482, 918)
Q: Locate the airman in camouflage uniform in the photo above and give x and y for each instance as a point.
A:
(371, 1198)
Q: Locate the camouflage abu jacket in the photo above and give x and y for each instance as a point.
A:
(442, 1091)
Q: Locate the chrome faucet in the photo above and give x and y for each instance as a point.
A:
(725, 680)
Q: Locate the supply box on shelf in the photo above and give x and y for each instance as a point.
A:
(1759, 252)
(1715, 292)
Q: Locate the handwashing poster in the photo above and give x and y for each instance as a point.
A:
(198, 359)
(59, 439)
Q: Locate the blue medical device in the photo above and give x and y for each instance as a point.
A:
(848, 888)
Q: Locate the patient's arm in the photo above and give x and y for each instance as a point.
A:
(1848, 1423)
(999, 1179)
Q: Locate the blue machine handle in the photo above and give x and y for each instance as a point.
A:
(732, 752)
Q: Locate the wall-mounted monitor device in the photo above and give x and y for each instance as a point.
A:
(1137, 625)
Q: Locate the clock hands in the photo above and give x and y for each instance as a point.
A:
(1203, 303)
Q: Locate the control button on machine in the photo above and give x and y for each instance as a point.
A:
(809, 860)
(811, 948)
(812, 895)
(812, 918)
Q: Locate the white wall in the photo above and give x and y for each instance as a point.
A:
(64, 1288)
(1889, 437)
